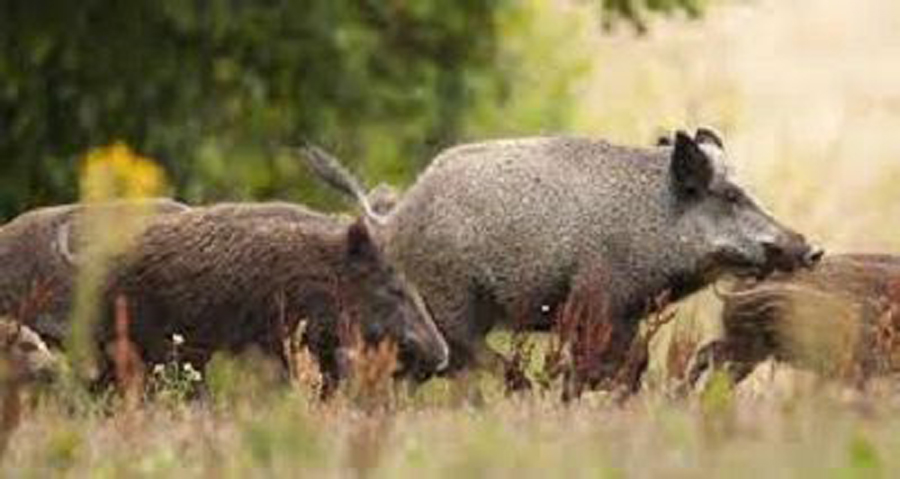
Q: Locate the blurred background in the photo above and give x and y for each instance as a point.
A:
(806, 93)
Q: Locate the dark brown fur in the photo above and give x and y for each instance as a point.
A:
(232, 277)
(841, 319)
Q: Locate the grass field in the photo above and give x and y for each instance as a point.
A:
(806, 93)
(811, 430)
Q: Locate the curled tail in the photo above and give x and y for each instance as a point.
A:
(330, 170)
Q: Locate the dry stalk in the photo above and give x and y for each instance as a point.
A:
(128, 365)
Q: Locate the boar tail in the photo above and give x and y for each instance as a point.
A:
(330, 170)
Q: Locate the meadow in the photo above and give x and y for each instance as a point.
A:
(805, 93)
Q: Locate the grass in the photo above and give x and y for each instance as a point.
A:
(285, 434)
(805, 93)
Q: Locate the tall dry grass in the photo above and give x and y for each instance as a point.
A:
(806, 93)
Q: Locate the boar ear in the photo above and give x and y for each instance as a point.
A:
(359, 240)
(692, 170)
(708, 136)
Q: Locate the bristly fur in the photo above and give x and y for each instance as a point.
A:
(841, 318)
(236, 276)
(37, 267)
(496, 230)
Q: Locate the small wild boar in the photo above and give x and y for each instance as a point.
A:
(24, 357)
(840, 319)
(38, 260)
(503, 232)
(235, 276)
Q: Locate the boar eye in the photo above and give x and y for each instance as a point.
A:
(27, 348)
(732, 196)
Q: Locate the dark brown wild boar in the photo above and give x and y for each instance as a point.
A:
(235, 276)
(840, 319)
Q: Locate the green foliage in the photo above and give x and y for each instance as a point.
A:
(209, 88)
(635, 11)
(283, 432)
(206, 87)
(864, 458)
(237, 382)
(63, 448)
(718, 407)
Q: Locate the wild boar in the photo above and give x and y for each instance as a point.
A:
(234, 276)
(505, 231)
(840, 319)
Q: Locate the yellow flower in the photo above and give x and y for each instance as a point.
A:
(117, 172)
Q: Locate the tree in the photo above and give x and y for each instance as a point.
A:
(211, 88)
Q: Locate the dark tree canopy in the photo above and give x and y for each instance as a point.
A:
(211, 88)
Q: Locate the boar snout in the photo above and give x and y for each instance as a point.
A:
(422, 343)
(813, 255)
(791, 252)
(48, 374)
(420, 358)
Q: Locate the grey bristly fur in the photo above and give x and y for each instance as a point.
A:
(504, 231)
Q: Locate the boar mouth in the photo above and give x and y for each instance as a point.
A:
(411, 367)
(739, 266)
(753, 273)
(792, 258)
(733, 263)
(407, 367)
(44, 377)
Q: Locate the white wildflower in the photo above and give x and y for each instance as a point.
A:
(192, 374)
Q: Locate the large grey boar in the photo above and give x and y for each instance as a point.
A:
(235, 276)
(841, 319)
(504, 231)
(38, 260)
